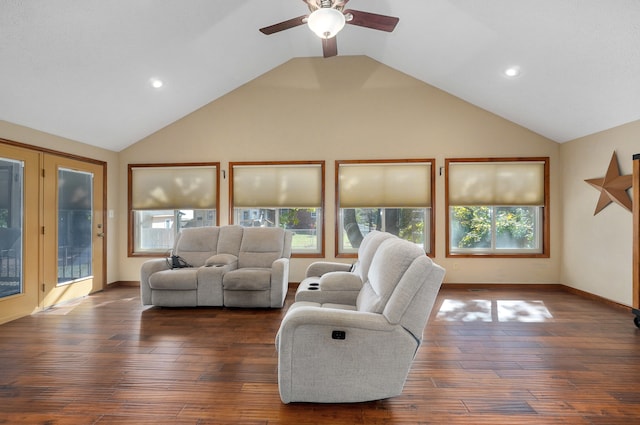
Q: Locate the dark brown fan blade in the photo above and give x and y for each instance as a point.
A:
(372, 20)
(285, 25)
(329, 47)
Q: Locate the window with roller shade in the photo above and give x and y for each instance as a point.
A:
(497, 206)
(165, 198)
(394, 196)
(282, 194)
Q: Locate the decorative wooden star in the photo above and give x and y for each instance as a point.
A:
(613, 187)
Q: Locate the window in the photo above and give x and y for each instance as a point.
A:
(497, 207)
(393, 196)
(283, 194)
(75, 225)
(164, 198)
(11, 226)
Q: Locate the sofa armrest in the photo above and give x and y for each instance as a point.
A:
(148, 268)
(321, 267)
(309, 315)
(340, 281)
(279, 281)
(317, 316)
(368, 359)
(328, 355)
(219, 260)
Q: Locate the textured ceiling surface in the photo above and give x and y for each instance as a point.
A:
(81, 69)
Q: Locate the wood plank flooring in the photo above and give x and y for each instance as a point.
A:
(494, 356)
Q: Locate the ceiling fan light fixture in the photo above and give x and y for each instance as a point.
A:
(326, 22)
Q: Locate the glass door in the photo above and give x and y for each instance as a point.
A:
(19, 259)
(11, 229)
(73, 234)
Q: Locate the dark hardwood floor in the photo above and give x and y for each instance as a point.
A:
(494, 356)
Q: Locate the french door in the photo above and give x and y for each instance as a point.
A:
(19, 247)
(51, 229)
(73, 229)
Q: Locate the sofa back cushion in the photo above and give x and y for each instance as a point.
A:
(261, 246)
(390, 262)
(230, 239)
(367, 249)
(196, 244)
(411, 302)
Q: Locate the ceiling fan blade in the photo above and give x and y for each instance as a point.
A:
(285, 25)
(372, 20)
(329, 47)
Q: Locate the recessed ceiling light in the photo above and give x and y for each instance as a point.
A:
(156, 83)
(512, 71)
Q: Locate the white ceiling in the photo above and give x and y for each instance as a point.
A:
(80, 69)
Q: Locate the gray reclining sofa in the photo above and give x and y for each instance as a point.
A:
(229, 266)
(351, 336)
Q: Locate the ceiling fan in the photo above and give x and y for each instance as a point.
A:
(328, 17)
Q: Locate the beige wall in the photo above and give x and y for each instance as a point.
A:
(36, 138)
(349, 108)
(597, 250)
(356, 108)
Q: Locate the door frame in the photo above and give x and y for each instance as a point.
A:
(636, 231)
(35, 303)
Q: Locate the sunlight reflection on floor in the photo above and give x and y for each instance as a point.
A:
(493, 310)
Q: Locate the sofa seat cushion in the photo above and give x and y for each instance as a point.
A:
(177, 280)
(247, 279)
(300, 304)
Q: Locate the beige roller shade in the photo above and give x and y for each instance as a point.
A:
(173, 188)
(496, 183)
(292, 186)
(385, 185)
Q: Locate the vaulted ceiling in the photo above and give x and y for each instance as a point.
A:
(81, 69)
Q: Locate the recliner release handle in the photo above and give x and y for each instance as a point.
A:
(338, 334)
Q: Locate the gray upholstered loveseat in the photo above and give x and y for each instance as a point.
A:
(230, 266)
(336, 347)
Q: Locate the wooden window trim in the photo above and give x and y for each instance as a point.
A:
(130, 242)
(546, 213)
(432, 220)
(320, 254)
